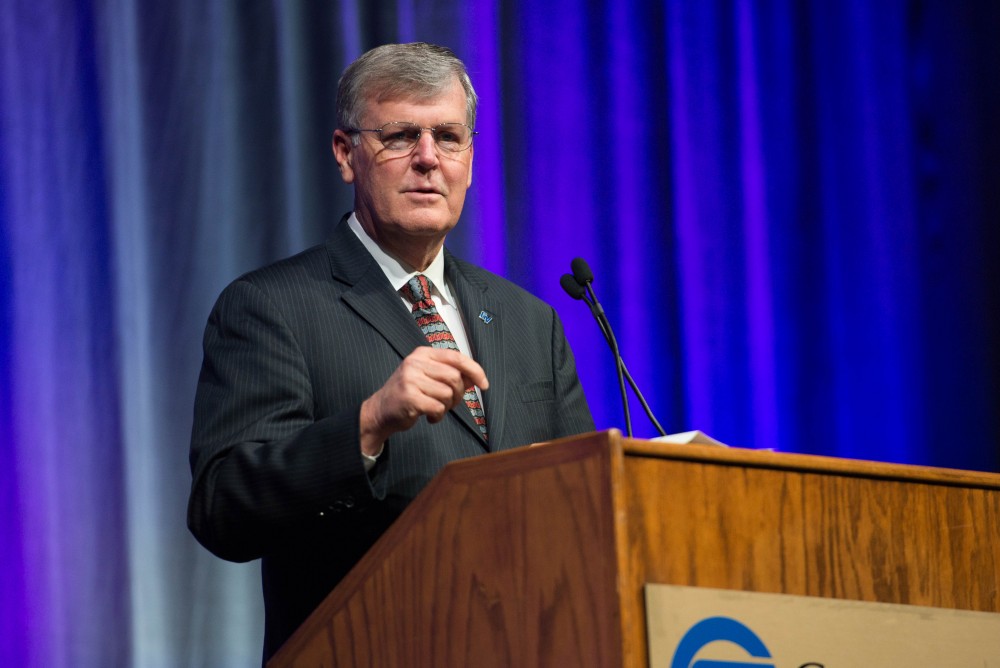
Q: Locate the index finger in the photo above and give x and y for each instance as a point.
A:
(472, 373)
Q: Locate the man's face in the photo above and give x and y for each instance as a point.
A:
(402, 199)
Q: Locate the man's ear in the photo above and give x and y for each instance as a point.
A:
(343, 151)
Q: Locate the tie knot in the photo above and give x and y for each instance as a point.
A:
(417, 289)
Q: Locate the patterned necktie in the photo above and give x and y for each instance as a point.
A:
(418, 292)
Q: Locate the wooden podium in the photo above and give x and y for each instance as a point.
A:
(538, 556)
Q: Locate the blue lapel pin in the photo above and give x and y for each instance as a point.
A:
(486, 317)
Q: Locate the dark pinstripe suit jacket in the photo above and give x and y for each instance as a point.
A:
(291, 352)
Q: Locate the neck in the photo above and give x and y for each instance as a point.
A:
(418, 256)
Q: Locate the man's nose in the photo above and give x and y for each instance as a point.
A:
(425, 152)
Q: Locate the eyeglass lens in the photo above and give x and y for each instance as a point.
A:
(403, 136)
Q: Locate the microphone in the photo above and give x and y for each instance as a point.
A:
(572, 288)
(579, 286)
(581, 271)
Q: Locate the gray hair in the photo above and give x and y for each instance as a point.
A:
(418, 70)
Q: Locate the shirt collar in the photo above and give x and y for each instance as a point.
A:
(397, 271)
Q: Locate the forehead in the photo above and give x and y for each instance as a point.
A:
(447, 105)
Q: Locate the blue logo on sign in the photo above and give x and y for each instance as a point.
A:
(712, 629)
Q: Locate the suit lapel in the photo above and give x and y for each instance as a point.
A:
(369, 292)
(371, 296)
(484, 324)
(373, 299)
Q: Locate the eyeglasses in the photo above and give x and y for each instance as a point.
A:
(403, 136)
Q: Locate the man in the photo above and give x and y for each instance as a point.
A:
(333, 386)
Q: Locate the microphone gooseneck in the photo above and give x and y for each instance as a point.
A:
(585, 278)
(578, 286)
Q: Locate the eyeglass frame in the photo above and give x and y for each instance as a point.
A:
(432, 130)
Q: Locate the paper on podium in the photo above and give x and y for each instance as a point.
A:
(686, 437)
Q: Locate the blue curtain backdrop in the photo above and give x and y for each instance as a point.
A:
(792, 209)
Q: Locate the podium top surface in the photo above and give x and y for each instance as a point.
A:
(817, 463)
(586, 445)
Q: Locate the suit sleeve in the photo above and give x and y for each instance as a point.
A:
(263, 467)
(572, 412)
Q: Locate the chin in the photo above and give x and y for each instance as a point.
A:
(427, 222)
